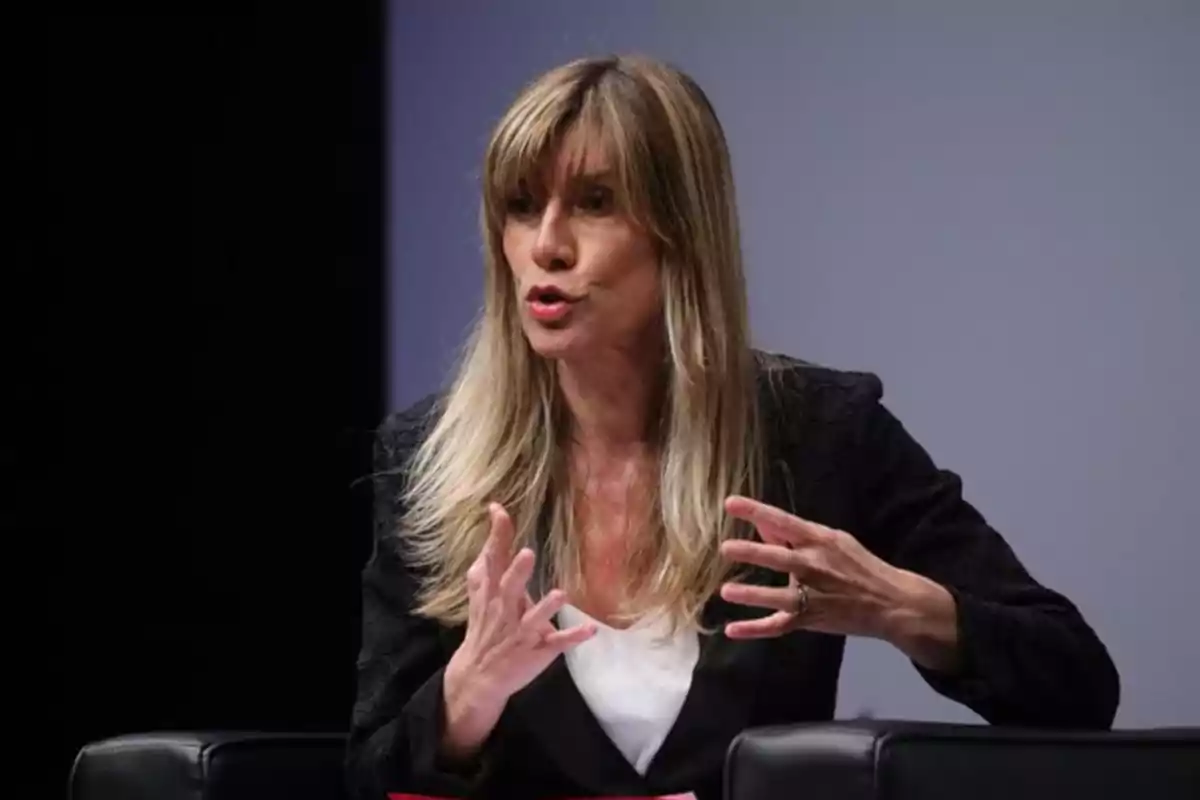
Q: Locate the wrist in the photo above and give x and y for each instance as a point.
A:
(923, 623)
(470, 713)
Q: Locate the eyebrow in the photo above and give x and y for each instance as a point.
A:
(596, 176)
(607, 175)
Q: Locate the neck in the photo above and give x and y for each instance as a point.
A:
(613, 399)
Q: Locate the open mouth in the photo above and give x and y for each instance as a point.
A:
(547, 298)
(549, 303)
(548, 295)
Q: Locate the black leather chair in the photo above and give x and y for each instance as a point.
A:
(859, 760)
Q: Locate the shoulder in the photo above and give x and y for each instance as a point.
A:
(401, 432)
(831, 442)
(800, 392)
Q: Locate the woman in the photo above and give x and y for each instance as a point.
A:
(623, 535)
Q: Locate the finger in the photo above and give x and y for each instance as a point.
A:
(771, 556)
(504, 602)
(544, 626)
(776, 624)
(491, 618)
(479, 566)
(515, 578)
(772, 522)
(476, 593)
(544, 610)
(499, 542)
(777, 598)
(570, 637)
(538, 627)
(482, 582)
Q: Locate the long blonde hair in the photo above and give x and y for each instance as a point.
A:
(497, 432)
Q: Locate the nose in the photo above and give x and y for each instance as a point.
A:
(554, 248)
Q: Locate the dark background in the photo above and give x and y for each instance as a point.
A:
(201, 370)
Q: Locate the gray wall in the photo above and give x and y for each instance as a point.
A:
(996, 207)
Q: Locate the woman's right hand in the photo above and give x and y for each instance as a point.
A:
(509, 640)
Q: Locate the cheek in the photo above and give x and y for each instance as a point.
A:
(650, 300)
(640, 292)
(646, 270)
(511, 245)
(519, 243)
(626, 261)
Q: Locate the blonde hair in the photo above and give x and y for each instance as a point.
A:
(497, 432)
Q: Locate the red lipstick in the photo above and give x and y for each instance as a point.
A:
(548, 303)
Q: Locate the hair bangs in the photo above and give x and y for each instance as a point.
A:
(597, 121)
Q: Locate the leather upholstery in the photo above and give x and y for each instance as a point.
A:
(867, 760)
(882, 760)
(211, 766)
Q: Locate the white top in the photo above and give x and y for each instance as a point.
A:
(633, 679)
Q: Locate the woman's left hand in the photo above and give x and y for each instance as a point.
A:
(836, 586)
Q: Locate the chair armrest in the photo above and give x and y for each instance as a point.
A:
(210, 765)
(877, 759)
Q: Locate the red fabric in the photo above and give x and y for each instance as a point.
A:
(684, 796)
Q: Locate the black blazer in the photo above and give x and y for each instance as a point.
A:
(836, 456)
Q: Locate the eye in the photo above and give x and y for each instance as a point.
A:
(519, 205)
(597, 199)
(521, 202)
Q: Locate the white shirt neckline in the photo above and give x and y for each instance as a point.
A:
(634, 679)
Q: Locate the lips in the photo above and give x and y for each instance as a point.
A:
(548, 295)
(550, 304)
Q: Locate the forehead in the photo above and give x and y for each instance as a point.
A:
(581, 153)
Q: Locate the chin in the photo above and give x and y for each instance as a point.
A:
(556, 344)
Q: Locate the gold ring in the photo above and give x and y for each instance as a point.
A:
(801, 598)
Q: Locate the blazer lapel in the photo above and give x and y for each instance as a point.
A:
(725, 684)
(717, 707)
(556, 716)
(719, 703)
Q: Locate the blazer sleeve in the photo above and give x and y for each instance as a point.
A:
(1028, 656)
(397, 719)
